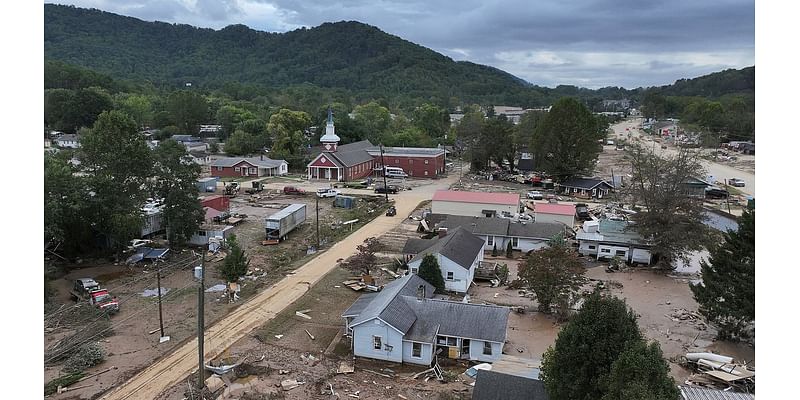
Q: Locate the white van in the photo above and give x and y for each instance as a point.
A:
(395, 172)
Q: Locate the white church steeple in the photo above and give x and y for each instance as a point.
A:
(329, 140)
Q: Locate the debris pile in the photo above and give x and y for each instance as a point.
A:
(720, 372)
(684, 315)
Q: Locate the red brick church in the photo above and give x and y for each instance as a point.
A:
(359, 160)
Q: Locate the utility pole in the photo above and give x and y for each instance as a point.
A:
(385, 186)
(160, 315)
(201, 320)
(317, 223)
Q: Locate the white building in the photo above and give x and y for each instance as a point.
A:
(69, 141)
(607, 239)
(524, 236)
(474, 204)
(458, 253)
(206, 231)
(554, 213)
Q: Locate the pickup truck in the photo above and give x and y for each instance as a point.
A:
(736, 182)
(391, 189)
(89, 289)
(293, 190)
(582, 212)
(327, 192)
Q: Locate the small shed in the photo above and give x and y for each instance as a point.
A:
(551, 212)
(345, 201)
(207, 185)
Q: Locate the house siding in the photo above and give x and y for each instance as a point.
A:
(201, 240)
(227, 172)
(476, 351)
(362, 341)
(470, 209)
(568, 220)
(415, 166)
(462, 278)
(426, 357)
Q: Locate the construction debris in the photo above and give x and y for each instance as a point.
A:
(289, 384)
(720, 372)
(345, 368)
(278, 336)
(309, 334)
(214, 383)
(302, 313)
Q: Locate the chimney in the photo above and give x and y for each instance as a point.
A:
(262, 157)
(442, 232)
(421, 292)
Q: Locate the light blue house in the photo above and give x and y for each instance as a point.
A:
(402, 323)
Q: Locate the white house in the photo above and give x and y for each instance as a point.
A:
(206, 231)
(474, 204)
(554, 213)
(607, 239)
(69, 140)
(458, 253)
(402, 323)
(524, 236)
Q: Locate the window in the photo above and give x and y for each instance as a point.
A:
(416, 350)
(514, 242)
(592, 247)
(414, 270)
(619, 253)
(490, 240)
(201, 233)
(426, 162)
(426, 173)
(449, 275)
(410, 160)
(252, 170)
(397, 161)
(376, 342)
(487, 348)
(219, 168)
(605, 250)
(236, 169)
(451, 341)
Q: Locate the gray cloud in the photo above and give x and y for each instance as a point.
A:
(590, 43)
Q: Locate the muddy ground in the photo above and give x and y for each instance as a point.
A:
(131, 347)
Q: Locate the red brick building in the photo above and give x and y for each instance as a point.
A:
(359, 160)
(252, 166)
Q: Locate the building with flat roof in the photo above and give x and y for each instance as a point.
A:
(554, 213)
(474, 204)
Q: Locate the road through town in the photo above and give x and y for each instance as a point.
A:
(176, 366)
(720, 172)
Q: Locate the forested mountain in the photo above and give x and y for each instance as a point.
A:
(715, 85)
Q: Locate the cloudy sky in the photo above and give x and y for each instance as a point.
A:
(589, 43)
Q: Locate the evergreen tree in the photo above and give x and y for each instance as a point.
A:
(235, 264)
(727, 293)
(640, 372)
(579, 365)
(509, 250)
(174, 180)
(494, 250)
(429, 271)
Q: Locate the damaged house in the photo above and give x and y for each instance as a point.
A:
(403, 323)
(606, 239)
(524, 236)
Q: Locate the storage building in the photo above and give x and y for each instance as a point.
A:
(550, 212)
(475, 204)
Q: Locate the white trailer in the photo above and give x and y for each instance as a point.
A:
(278, 225)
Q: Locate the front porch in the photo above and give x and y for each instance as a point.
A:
(329, 173)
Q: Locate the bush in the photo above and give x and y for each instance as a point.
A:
(87, 356)
(63, 381)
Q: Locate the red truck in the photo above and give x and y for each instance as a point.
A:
(293, 190)
(89, 289)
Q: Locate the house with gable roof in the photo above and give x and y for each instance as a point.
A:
(458, 253)
(248, 167)
(403, 323)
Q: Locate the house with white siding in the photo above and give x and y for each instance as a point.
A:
(552, 212)
(69, 141)
(403, 323)
(458, 253)
(606, 239)
(524, 236)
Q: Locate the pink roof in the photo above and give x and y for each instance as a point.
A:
(477, 197)
(559, 209)
(211, 213)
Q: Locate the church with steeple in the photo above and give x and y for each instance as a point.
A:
(361, 159)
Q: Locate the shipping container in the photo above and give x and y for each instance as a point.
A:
(344, 202)
(278, 225)
(217, 202)
(207, 185)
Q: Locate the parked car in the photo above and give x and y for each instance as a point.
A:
(610, 142)
(327, 192)
(391, 189)
(716, 193)
(293, 190)
(582, 212)
(736, 182)
(535, 195)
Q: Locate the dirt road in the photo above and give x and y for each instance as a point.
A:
(176, 366)
(719, 171)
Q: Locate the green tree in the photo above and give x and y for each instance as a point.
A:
(117, 164)
(65, 199)
(374, 118)
(640, 372)
(727, 293)
(235, 264)
(241, 143)
(431, 119)
(174, 180)
(68, 110)
(429, 271)
(139, 107)
(287, 127)
(187, 109)
(566, 142)
(671, 220)
(509, 250)
(554, 274)
(578, 366)
(497, 138)
(229, 117)
(470, 131)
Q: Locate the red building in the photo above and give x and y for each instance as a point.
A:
(217, 202)
(360, 159)
(251, 166)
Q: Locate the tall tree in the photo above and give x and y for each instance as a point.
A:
(578, 366)
(241, 143)
(640, 372)
(65, 199)
(431, 119)
(727, 293)
(117, 165)
(670, 220)
(554, 274)
(566, 142)
(497, 138)
(429, 271)
(188, 109)
(470, 132)
(174, 180)
(374, 118)
(287, 130)
(229, 116)
(138, 107)
(365, 260)
(68, 110)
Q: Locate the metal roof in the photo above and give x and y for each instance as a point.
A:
(612, 231)
(491, 385)
(557, 209)
(585, 183)
(477, 225)
(460, 246)
(407, 151)
(477, 197)
(256, 161)
(466, 320)
(698, 393)
(536, 230)
(397, 316)
(285, 212)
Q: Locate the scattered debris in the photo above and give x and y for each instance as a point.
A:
(278, 336)
(345, 368)
(216, 288)
(378, 373)
(154, 292)
(309, 334)
(214, 383)
(302, 313)
(289, 384)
